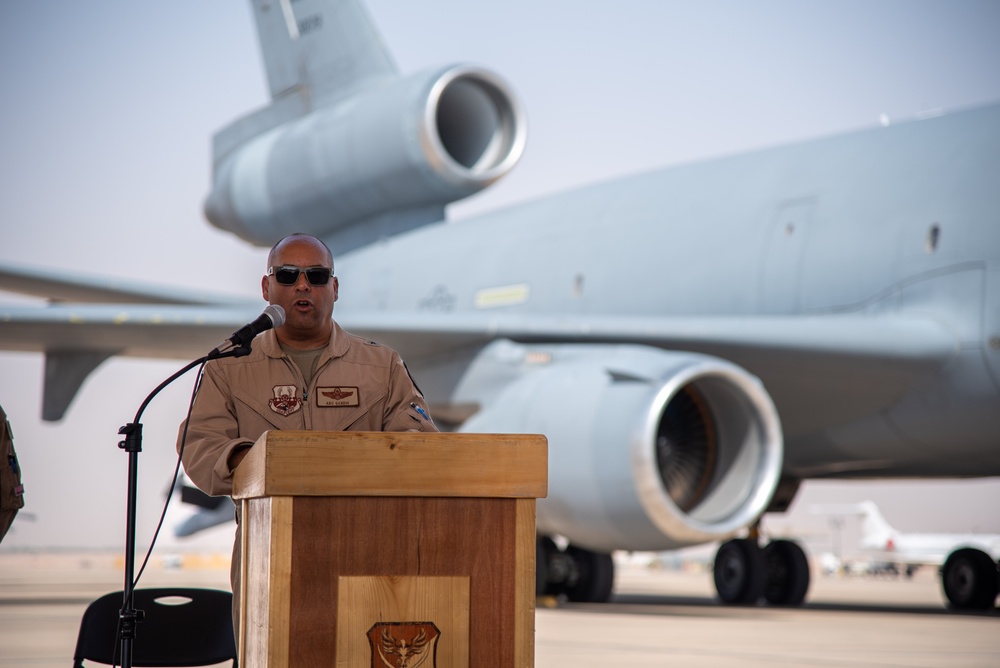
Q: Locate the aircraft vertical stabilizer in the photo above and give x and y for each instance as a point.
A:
(328, 51)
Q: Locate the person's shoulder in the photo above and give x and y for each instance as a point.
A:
(363, 346)
(368, 344)
(355, 338)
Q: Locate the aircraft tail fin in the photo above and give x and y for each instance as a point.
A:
(876, 532)
(326, 49)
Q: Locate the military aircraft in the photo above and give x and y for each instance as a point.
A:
(694, 342)
(958, 555)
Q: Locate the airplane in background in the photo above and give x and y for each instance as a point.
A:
(210, 511)
(956, 554)
(694, 342)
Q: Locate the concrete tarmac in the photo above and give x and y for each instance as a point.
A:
(657, 618)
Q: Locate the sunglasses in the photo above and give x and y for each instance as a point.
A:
(289, 275)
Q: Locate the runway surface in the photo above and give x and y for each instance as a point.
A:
(658, 618)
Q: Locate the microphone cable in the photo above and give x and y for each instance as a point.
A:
(166, 504)
(177, 468)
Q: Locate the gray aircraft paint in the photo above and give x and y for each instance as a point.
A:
(815, 268)
(698, 242)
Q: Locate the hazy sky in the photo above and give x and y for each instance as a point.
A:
(108, 108)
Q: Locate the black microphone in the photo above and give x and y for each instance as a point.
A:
(273, 316)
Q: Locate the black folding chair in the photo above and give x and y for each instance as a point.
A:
(181, 627)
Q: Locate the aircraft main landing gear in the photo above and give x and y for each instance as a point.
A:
(744, 573)
(787, 573)
(583, 576)
(739, 571)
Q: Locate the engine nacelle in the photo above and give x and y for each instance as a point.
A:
(410, 147)
(648, 450)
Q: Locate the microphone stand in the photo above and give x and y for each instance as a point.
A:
(132, 444)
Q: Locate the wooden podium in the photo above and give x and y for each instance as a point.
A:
(389, 549)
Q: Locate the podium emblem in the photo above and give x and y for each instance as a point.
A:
(404, 644)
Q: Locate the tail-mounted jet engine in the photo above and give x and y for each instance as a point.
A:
(648, 450)
(391, 157)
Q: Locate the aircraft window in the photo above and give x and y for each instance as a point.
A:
(933, 236)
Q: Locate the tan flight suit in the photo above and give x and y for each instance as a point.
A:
(359, 385)
(11, 489)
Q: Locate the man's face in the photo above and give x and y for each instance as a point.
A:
(308, 307)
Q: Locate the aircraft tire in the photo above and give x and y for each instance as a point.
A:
(787, 571)
(969, 579)
(595, 576)
(545, 549)
(739, 572)
(541, 568)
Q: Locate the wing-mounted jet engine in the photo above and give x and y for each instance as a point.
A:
(648, 450)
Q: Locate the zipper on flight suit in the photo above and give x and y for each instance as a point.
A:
(301, 382)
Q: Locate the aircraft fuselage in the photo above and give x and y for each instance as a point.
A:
(890, 222)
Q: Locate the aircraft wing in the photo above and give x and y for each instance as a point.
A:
(77, 335)
(72, 287)
(816, 369)
(181, 329)
(134, 330)
(906, 341)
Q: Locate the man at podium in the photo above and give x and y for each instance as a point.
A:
(309, 373)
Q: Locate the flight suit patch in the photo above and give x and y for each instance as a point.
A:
(285, 402)
(338, 396)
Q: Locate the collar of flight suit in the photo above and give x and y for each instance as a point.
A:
(338, 346)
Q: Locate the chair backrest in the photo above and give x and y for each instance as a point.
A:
(181, 627)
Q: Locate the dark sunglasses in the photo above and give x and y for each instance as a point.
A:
(289, 275)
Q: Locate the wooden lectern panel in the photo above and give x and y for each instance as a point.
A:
(265, 601)
(310, 558)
